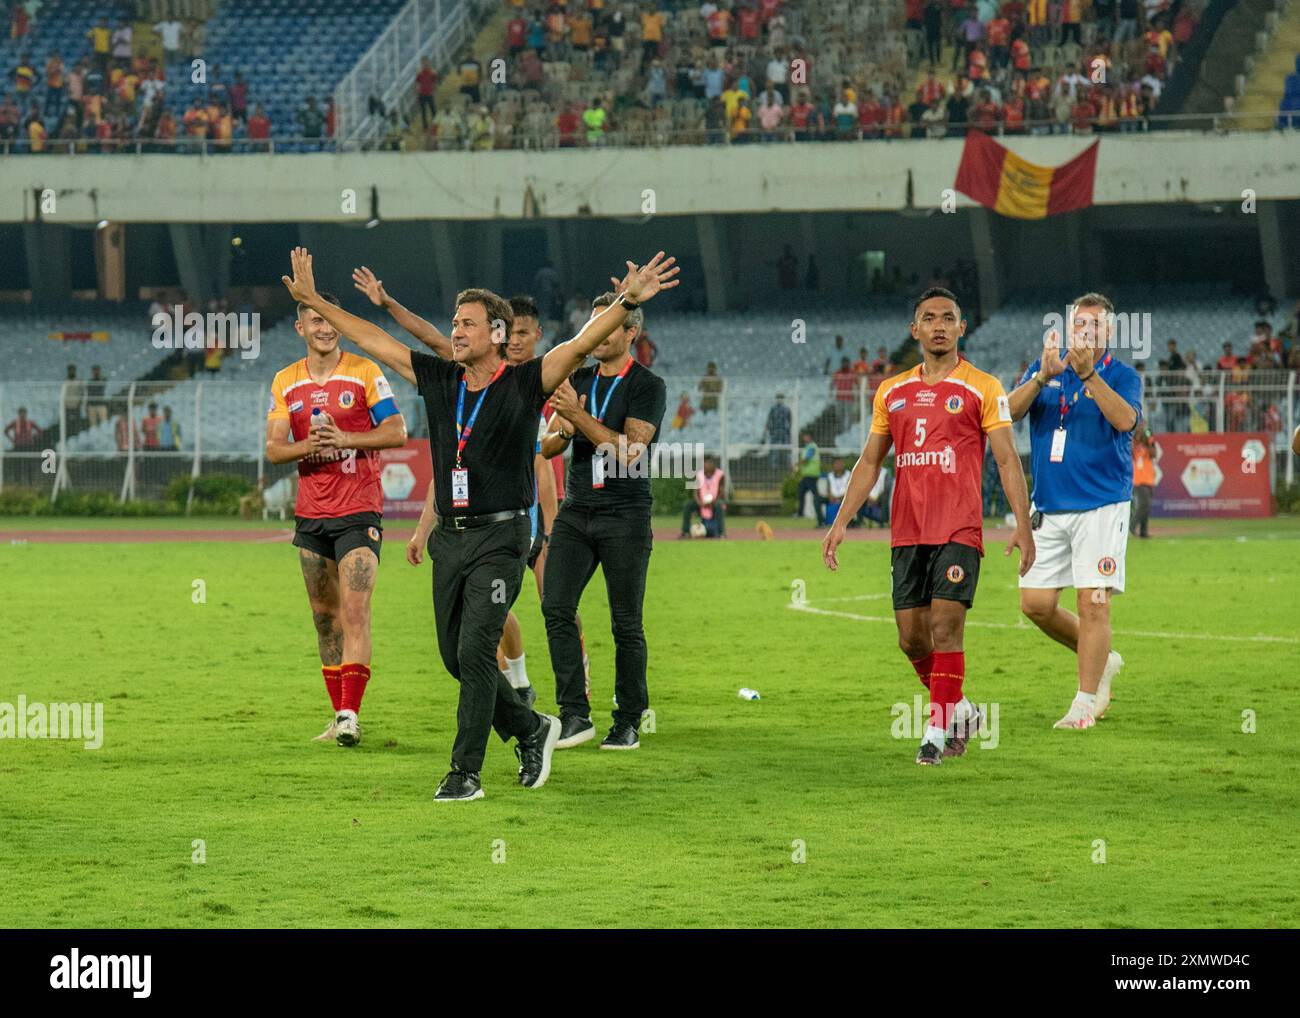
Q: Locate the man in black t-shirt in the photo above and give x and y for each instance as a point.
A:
(611, 413)
(482, 434)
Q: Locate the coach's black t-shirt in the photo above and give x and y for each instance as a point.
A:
(501, 445)
(641, 395)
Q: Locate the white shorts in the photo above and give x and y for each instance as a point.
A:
(1080, 550)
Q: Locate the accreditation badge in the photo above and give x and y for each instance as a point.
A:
(460, 488)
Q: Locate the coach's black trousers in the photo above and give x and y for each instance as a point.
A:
(476, 578)
(620, 543)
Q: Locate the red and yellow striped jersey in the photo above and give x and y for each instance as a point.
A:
(938, 434)
(358, 397)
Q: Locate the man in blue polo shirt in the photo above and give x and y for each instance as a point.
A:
(1082, 412)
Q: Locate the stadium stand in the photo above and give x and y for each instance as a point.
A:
(630, 74)
(283, 52)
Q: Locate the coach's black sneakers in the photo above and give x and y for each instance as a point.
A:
(535, 752)
(929, 754)
(528, 695)
(459, 786)
(574, 731)
(960, 732)
(621, 736)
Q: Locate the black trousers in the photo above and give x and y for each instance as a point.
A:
(620, 543)
(476, 577)
(1140, 516)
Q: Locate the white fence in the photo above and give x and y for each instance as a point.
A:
(134, 440)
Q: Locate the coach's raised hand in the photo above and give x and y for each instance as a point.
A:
(1051, 364)
(638, 285)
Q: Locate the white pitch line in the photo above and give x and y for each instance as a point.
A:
(1025, 625)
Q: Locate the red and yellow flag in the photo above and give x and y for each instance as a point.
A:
(996, 177)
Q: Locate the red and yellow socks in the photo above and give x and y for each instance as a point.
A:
(355, 677)
(334, 684)
(946, 677)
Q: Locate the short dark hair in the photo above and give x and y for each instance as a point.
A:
(328, 298)
(935, 291)
(497, 307)
(524, 306)
(1093, 299)
(635, 317)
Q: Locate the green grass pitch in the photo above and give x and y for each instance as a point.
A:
(800, 809)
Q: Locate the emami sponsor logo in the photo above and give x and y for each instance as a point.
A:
(131, 972)
(25, 720)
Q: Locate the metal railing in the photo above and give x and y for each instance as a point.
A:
(135, 439)
(624, 135)
(433, 29)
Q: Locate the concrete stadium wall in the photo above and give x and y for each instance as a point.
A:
(1160, 167)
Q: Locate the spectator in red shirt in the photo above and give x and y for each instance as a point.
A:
(1013, 115)
(719, 26)
(516, 35)
(930, 89)
(1021, 59)
(239, 98)
(842, 388)
(22, 432)
(1081, 114)
(862, 366)
(748, 24)
(1227, 362)
(567, 124)
(870, 116)
(426, 81)
(986, 113)
(150, 428)
(259, 124)
(800, 113)
(998, 33)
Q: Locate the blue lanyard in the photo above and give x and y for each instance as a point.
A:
(600, 416)
(462, 435)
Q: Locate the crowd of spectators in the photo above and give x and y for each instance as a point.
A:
(594, 72)
(113, 96)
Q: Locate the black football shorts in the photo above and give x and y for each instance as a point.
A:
(922, 572)
(334, 538)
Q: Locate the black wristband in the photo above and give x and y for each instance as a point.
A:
(1094, 371)
(628, 302)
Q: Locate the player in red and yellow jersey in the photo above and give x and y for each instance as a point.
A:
(332, 412)
(937, 417)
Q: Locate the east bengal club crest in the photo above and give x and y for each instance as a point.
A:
(346, 399)
(956, 573)
(373, 532)
(1106, 566)
(953, 404)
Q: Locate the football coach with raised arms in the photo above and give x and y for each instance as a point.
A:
(611, 413)
(483, 415)
(1083, 409)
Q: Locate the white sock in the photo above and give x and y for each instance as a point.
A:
(1088, 700)
(934, 736)
(517, 673)
(963, 710)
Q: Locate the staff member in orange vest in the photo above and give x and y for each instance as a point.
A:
(1144, 482)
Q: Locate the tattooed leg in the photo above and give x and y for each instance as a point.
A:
(322, 578)
(357, 574)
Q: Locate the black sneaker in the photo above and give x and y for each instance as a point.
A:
(459, 786)
(574, 731)
(960, 732)
(929, 754)
(535, 752)
(621, 736)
